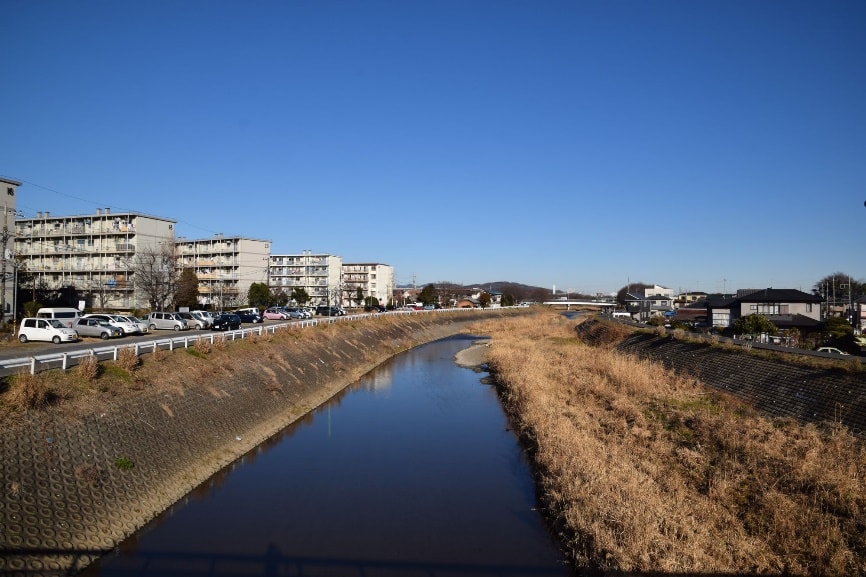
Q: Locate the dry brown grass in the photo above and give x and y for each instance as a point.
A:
(27, 391)
(88, 368)
(127, 359)
(203, 346)
(642, 470)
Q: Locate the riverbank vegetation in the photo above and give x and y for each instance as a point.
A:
(641, 470)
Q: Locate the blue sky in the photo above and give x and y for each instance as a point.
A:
(696, 145)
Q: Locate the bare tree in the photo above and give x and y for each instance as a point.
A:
(155, 271)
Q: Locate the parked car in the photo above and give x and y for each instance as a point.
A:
(275, 314)
(194, 320)
(206, 315)
(93, 327)
(126, 327)
(374, 309)
(294, 313)
(142, 324)
(226, 322)
(831, 350)
(250, 310)
(54, 330)
(247, 316)
(324, 311)
(66, 314)
(166, 321)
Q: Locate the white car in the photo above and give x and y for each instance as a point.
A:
(53, 330)
(832, 351)
(126, 327)
(142, 325)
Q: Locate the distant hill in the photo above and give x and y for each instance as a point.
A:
(521, 292)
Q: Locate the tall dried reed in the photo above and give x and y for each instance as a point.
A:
(127, 359)
(27, 391)
(644, 470)
(88, 368)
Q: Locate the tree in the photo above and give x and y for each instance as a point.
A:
(484, 299)
(754, 325)
(279, 297)
(300, 296)
(186, 294)
(837, 327)
(839, 290)
(359, 296)
(427, 296)
(154, 268)
(635, 288)
(507, 300)
(259, 295)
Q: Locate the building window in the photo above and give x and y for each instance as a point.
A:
(768, 308)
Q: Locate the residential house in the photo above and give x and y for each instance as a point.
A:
(689, 298)
(658, 290)
(785, 308)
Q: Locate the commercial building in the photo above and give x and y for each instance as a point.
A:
(225, 266)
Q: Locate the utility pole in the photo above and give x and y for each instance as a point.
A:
(5, 256)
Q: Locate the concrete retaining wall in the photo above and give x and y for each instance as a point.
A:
(774, 387)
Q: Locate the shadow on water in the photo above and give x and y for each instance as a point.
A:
(273, 563)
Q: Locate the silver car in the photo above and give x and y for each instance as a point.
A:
(194, 320)
(126, 326)
(93, 327)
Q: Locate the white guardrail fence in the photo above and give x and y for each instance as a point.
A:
(64, 360)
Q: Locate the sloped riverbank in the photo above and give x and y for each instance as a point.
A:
(110, 452)
(642, 468)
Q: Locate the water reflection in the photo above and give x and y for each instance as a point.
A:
(410, 472)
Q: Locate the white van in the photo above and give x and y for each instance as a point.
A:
(166, 321)
(67, 315)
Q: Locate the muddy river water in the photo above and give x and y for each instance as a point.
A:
(411, 471)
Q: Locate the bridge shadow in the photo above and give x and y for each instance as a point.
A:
(273, 563)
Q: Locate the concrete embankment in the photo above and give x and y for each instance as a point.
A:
(109, 455)
(774, 386)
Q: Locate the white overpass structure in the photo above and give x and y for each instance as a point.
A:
(568, 303)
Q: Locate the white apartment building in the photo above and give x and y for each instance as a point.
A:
(7, 260)
(94, 253)
(320, 275)
(226, 267)
(374, 279)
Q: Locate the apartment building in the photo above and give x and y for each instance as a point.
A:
(7, 262)
(94, 253)
(226, 267)
(320, 275)
(374, 279)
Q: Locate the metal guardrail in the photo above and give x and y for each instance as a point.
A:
(64, 360)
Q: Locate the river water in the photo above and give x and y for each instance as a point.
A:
(411, 471)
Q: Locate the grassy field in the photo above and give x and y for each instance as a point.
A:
(640, 470)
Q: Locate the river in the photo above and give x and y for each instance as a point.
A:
(411, 471)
